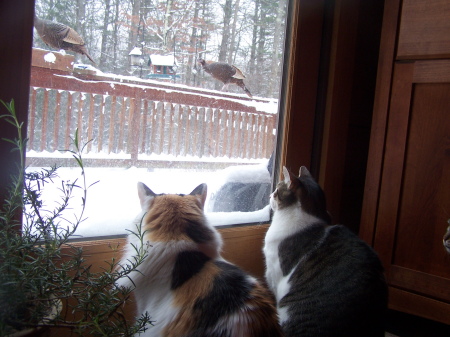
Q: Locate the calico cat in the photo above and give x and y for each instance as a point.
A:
(184, 284)
(327, 281)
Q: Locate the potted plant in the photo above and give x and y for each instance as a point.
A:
(44, 280)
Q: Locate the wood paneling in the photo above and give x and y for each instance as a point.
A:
(302, 84)
(379, 120)
(424, 29)
(432, 71)
(242, 246)
(393, 162)
(355, 30)
(424, 206)
(423, 306)
(339, 94)
(407, 196)
(422, 283)
(414, 195)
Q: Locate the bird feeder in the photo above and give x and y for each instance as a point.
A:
(136, 58)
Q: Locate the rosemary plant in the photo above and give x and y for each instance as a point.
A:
(44, 280)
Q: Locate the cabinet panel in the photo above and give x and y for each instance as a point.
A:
(414, 199)
(418, 305)
(423, 283)
(424, 29)
(406, 200)
(424, 204)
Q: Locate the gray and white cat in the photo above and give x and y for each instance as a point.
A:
(327, 281)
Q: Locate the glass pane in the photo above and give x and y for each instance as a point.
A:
(170, 93)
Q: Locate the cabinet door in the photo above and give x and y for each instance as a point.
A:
(414, 200)
(424, 29)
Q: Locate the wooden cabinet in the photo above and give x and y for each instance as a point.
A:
(407, 194)
(424, 29)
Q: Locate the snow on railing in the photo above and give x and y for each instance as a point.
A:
(137, 121)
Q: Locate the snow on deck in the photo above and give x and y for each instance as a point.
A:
(113, 203)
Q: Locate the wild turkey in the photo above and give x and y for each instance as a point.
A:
(60, 36)
(228, 74)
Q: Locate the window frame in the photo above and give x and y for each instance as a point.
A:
(296, 126)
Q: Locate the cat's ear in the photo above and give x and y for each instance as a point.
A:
(289, 179)
(287, 176)
(304, 172)
(145, 194)
(200, 192)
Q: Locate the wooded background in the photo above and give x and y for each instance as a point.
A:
(246, 33)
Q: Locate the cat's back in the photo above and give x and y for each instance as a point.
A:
(336, 284)
(321, 245)
(185, 285)
(221, 300)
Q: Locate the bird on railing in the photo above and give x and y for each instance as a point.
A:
(60, 36)
(228, 74)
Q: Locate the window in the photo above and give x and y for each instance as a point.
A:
(172, 128)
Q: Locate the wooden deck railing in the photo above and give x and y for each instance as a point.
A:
(134, 122)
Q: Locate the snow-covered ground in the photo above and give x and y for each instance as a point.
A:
(113, 203)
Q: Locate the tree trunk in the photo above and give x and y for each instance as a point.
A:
(252, 63)
(167, 29)
(227, 11)
(202, 41)
(115, 36)
(193, 45)
(135, 12)
(103, 50)
(81, 22)
(260, 55)
(277, 51)
(233, 34)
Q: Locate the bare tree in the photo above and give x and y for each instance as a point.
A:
(135, 17)
(80, 26)
(227, 13)
(277, 49)
(193, 46)
(233, 41)
(105, 33)
(115, 39)
(252, 61)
